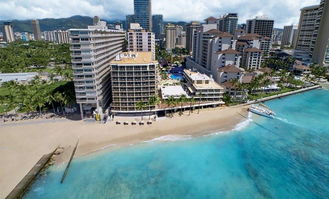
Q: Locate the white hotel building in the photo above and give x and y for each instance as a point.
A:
(140, 40)
(92, 50)
(57, 36)
(213, 50)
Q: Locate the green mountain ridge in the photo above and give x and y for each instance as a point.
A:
(49, 24)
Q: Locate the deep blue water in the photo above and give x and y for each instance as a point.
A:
(279, 158)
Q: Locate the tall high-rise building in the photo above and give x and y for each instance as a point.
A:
(211, 20)
(96, 20)
(129, 20)
(92, 49)
(260, 25)
(181, 40)
(140, 40)
(8, 32)
(288, 36)
(36, 29)
(313, 33)
(170, 36)
(277, 36)
(191, 29)
(158, 26)
(133, 81)
(143, 13)
(228, 23)
(320, 54)
(214, 50)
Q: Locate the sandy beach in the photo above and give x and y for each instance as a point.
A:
(22, 145)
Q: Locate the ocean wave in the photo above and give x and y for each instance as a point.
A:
(244, 124)
(170, 138)
(285, 121)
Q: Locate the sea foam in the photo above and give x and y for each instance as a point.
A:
(170, 138)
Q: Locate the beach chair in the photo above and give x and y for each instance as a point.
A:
(149, 123)
(125, 123)
(141, 123)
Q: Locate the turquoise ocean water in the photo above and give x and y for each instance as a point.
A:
(287, 157)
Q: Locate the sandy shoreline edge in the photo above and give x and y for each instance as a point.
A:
(21, 146)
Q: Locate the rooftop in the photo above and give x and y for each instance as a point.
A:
(247, 79)
(231, 69)
(195, 76)
(218, 33)
(228, 51)
(228, 85)
(6, 77)
(134, 58)
(266, 70)
(302, 67)
(253, 50)
(250, 37)
(172, 91)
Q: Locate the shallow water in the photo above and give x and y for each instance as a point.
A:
(286, 157)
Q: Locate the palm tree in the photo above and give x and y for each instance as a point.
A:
(40, 99)
(167, 105)
(152, 102)
(171, 102)
(59, 98)
(199, 101)
(182, 99)
(175, 102)
(192, 101)
(140, 106)
(50, 100)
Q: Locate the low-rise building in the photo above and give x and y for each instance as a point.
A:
(237, 94)
(57, 36)
(252, 58)
(22, 78)
(133, 81)
(203, 88)
(301, 69)
(173, 91)
(230, 72)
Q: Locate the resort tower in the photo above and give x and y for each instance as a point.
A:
(92, 49)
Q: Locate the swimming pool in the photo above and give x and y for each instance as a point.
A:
(176, 77)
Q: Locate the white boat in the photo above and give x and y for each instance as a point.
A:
(262, 110)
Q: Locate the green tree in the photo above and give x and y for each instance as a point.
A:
(140, 106)
(182, 99)
(153, 101)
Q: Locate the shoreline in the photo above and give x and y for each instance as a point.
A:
(285, 94)
(21, 146)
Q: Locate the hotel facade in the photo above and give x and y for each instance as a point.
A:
(313, 34)
(140, 40)
(92, 49)
(133, 81)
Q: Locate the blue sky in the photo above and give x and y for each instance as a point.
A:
(284, 12)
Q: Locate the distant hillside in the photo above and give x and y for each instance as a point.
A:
(52, 24)
(49, 24)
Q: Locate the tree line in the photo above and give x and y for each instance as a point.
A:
(20, 56)
(37, 96)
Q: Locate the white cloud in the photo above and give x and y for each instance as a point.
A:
(282, 11)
